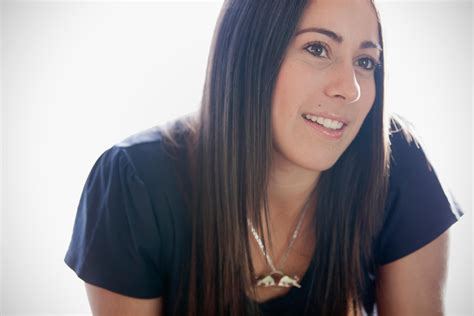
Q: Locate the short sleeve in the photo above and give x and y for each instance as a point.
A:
(115, 241)
(419, 207)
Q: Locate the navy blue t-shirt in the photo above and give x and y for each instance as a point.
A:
(131, 233)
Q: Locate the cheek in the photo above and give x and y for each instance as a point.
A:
(292, 90)
(369, 98)
(362, 108)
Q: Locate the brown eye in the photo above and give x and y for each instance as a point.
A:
(367, 63)
(317, 49)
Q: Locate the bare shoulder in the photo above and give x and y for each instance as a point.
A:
(414, 284)
(104, 303)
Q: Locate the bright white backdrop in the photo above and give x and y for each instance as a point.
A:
(78, 77)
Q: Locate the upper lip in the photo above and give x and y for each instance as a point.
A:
(329, 116)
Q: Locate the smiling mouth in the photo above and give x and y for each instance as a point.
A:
(332, 126)
(330, 133)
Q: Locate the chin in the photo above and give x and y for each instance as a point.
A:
(311, 161)
(318, 166)
(321, 168)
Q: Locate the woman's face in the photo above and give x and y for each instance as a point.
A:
(328, 70)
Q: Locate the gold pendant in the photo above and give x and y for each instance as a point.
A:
(278, 279)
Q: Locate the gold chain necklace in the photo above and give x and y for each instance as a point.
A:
(277, 278)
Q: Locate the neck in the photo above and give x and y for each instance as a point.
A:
(289, 187)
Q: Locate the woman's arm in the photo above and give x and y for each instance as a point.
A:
(414, 285)
(106, 303)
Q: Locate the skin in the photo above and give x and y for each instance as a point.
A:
(336, 81)
(331, 76)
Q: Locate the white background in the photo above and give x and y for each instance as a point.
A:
(77, 77)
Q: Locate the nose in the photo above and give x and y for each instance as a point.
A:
(343, 83)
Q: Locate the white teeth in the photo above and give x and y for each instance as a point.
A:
(324, 121)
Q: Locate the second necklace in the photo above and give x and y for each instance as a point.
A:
(276, 278)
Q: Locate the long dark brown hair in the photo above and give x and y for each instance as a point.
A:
(229, 149)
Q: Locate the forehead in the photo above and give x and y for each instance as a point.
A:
(353, 19)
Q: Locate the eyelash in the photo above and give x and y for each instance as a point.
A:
(372, 60)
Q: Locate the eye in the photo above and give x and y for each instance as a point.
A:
(316, 49)
(368, 63)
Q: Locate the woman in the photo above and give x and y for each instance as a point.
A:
(289, 193)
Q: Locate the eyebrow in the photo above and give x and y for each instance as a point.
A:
(336, 37)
